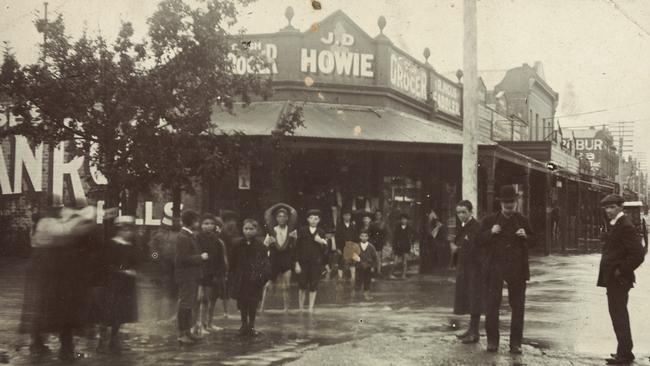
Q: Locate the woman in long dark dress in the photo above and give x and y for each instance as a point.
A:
(249, 271)
(120, 305)
(470, 266)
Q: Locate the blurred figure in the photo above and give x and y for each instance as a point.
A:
(437, 237)
(119, 296)
(56, 290)
(367, 261)
(378, 234)
(346, 231)
(229, 235)
(163, 250)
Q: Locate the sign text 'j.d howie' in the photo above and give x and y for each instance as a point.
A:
(337, 58)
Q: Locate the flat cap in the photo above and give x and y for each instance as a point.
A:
(314, 212)
(612, 199)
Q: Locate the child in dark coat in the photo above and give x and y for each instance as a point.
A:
(210, 285)
(249, 271)
(367, 263)
(403, 237)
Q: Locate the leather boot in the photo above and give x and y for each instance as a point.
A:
(473, 333)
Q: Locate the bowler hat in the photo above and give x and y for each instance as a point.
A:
(612, 199)
(507, 193)
(314, 212)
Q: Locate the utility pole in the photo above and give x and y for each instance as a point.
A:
(470, 104)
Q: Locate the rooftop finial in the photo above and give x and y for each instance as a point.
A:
(289, 14)
(426, 54)
(459, 74)
(381, 22)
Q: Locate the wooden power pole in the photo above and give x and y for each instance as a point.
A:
(470, 105)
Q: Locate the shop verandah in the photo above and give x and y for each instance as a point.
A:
(369, 158)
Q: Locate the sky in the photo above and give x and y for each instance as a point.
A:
(595, 52)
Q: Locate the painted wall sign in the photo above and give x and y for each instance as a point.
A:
(243, 64)
(447, 96)
(408, 77)
(28, 168)
(337, 58)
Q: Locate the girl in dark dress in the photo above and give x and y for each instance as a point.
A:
(119, 304)
(470, 270)
(281, 241)
(249, 271)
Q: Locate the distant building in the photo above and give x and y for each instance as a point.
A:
(598, 148)
(530, 99)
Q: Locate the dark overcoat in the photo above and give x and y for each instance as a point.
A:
(506, 254)
(622, 250)
(188, 263)
(470, 269)
(250, 269)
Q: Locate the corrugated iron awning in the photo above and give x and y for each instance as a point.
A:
(335, 121)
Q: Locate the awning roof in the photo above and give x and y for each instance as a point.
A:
(336, 121)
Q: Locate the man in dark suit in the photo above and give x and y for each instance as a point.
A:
(622, 254)
(506, 237)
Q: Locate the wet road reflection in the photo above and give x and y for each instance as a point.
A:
(565, 311)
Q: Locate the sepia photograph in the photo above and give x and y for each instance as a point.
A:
(324, 182)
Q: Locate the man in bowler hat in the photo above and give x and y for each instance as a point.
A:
(622, 254)
(506, 237)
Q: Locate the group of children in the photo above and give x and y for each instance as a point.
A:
(207, 268)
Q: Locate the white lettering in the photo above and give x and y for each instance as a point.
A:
(408, 77)
(148, 214)
(33, 164)
(5, 186)
(329, 39)
(343, 62)
(326, 62)
(347, 40)
(308, 60)
(366, 65)
(60, 169)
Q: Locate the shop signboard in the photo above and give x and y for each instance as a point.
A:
(447, 95)
(591, 149)
(407, 76)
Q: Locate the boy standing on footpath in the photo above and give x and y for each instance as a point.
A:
(622, 254)
(188, 263)
(367, 263)
(310, 249)
(403, 237)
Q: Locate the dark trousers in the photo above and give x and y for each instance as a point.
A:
(516, 299)
(364, 279)
(617, 296)
(248, 311)
(187, 292)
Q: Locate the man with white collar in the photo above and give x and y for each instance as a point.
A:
(622, 254)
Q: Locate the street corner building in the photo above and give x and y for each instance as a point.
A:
(382, 131)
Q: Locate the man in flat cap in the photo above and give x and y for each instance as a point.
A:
(622, 254)
(506, 237)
